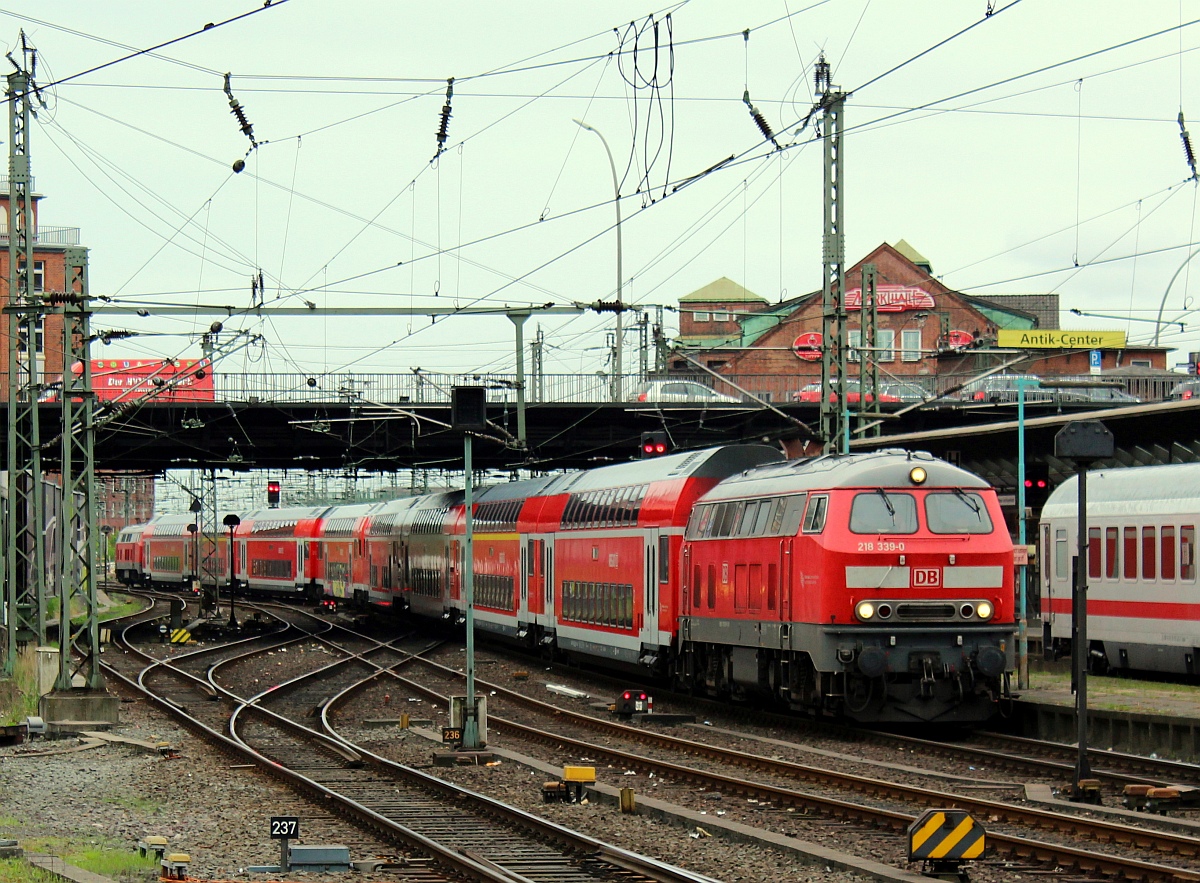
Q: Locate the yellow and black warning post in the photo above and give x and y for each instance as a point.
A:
(944, 839)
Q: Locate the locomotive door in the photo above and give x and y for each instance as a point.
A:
(649, 631)
(785, 579)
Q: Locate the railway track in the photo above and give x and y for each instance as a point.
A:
(439, 829)
(1137, 852)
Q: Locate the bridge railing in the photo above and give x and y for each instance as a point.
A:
(429, 387)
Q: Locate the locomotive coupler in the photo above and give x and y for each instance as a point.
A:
(927, 679)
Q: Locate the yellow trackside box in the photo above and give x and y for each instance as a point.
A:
(579, 774)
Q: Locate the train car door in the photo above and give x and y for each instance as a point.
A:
(649, 632)
(548, 612)
(1046, 566)
(785, 579)
(301, 558)
(532, 577)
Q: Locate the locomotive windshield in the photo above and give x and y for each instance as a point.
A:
(878, 511)
(957, 512)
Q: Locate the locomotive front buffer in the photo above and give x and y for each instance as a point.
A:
(944, 840)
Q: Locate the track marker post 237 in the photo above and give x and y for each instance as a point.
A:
(283, 829)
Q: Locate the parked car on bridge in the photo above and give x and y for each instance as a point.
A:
(678, 391)
(1185, 390)
(1003, 388)
(812, 393)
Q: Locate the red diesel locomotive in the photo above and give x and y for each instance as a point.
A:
(876, 587)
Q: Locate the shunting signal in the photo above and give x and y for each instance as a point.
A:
(654, 444)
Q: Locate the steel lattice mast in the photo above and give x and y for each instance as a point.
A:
(77, 589)
(834, 418)
(25, 577)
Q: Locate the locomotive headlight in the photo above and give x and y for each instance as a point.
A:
(917, 475)
(984, 610)
(865, 610)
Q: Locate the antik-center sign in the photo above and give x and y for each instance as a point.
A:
(1058, 339)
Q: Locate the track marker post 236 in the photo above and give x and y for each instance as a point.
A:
(283, 829)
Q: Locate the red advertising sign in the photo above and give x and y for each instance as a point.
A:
(955, 339)
(892, 299)
(172, 380)
(808, 346)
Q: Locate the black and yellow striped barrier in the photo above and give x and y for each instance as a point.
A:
(944, 838)
(180, 636)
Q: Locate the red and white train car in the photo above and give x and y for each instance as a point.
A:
(1143, 589)
(276, 554)
(128, 553)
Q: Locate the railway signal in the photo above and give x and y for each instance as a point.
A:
(654, 444)
(1037, 484)
(273, 494)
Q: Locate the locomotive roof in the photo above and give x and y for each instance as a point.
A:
(887, 468)
(1168, 488)
(707, 463)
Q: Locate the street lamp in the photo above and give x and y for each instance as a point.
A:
(620, 338)
(1159, 322)
(231, 521)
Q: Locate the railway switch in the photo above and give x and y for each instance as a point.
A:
(943, 840)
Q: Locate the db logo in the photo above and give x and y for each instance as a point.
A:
(927, 577)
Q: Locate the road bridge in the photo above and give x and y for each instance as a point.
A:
(351, 432)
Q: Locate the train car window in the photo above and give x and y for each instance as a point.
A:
(1131, 545)
(1149, 554)
(772, 585)
(697, 524)
(1167, 553)
(814, 515)
(879, 511)
(1093, 553)
(664, 559)
(749, 517)
(1060, 554)
(712, 587)
(1112, 558)
(1187, 553)
(765, 512)
(957, 512)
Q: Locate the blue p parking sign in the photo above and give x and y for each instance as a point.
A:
(1094, 361)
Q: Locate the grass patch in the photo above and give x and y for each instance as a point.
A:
(122, 609)
(116, 860)
(140, 804)
(17, 870)
(19, 694)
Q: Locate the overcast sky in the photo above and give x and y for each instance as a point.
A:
(1033, 150)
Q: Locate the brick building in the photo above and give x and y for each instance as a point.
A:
(929, 336)
(49, 276)
(120, 499)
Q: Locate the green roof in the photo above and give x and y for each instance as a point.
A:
(723, 291)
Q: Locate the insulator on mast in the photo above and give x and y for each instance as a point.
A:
(1188, 153)
(443, 131)
(759, 120)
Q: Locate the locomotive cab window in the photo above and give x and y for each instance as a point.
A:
(957, 512)
(878, 511)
